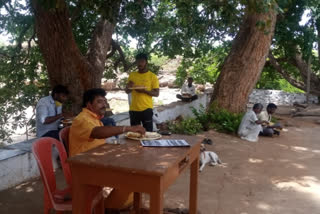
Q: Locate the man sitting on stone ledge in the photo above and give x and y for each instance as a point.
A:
(188, 91)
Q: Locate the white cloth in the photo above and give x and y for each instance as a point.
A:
(248, 129)
(46, 107)
(188, 90)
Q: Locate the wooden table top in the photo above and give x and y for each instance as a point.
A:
(134, 158)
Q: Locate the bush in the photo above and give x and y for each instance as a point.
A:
(190, 126)
(219, 119)
(224, 121)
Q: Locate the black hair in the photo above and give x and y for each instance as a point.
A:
(59, 89)
(257, 106)
(272, 105)
(141, 56)
(190, 78)
(91, 94)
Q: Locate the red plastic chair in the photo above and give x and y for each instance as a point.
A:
(54, 198)
(64, 138)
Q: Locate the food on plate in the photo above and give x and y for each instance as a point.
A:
(147, 135)
(151, 135)
(134, 134)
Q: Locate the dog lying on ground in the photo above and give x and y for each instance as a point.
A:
(208, 157)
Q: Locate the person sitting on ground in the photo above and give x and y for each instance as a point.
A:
(88, 132)
(188, 91)
(142, 85)
(49, 112)
(250, 125)
(269, 129)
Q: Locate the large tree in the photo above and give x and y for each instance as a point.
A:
(296, 43)
(243, 65)
(64, 61)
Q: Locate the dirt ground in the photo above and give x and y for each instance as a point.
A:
(276, 175)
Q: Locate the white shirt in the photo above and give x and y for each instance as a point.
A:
(248, 129)
(264, 116)
(46, 107)
(188, 90)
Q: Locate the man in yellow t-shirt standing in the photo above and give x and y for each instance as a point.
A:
(143, 85)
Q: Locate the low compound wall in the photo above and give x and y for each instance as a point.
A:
(279, 97)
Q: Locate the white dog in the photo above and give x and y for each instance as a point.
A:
(208, 157)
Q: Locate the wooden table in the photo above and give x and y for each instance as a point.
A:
(138, 169)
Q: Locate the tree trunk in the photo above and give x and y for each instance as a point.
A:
(242, 67)
(64, 61)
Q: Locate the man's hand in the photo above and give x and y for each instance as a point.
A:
(186, 95)
(130, 84)
(142, 91)
(137, 128)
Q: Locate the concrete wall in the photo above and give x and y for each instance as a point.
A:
(279, 97)
(17, 164)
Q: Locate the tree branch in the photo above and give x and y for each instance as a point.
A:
(314, 80)
(99, 46)
(273, 62)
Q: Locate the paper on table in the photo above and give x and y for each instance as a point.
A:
(164, 143)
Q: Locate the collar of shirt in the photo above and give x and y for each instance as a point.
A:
(92, 114)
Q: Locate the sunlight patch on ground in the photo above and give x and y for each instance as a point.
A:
(263, 206)
(298, 166)
(307, 184)
(298, 130)
(299, 148)
(253, 160)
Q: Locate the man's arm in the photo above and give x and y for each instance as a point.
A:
(52, 119)
(42, 113)
(153, 93)
(101, 132)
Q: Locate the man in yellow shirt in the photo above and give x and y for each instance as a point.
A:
(88, 132)
(143, 85)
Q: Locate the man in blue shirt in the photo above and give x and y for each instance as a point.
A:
(49, 112)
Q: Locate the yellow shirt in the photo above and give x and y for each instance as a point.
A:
(141, 101)
(80, 131)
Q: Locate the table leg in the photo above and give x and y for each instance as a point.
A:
(78, 198)
(193, 195)
(137, 202)
(156, 201)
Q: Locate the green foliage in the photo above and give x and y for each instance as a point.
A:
(270, 79)
(224, 121)
(219, 119)
(203, 69)
(189, 126)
